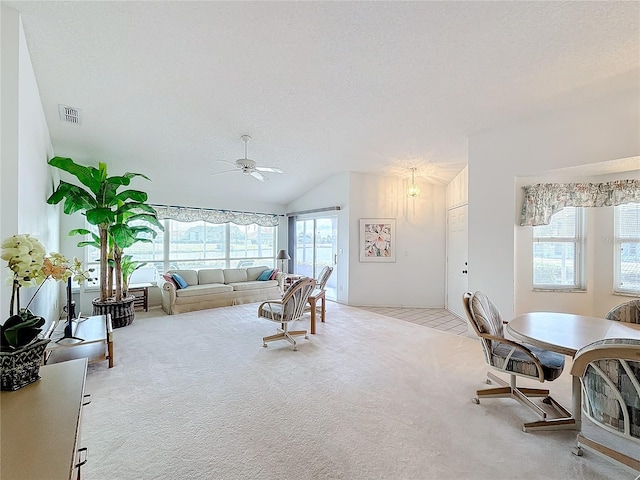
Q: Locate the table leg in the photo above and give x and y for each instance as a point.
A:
(312, 302)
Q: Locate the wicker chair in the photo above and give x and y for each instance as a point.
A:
(318, 291)
(287, 310)
(609, 371)
(515, 359)
(626, 312)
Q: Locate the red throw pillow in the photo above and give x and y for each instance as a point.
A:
(273, 275)
(170, 279)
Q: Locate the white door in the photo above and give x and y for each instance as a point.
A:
(457, 251)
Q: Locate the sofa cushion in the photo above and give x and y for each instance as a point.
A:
(254, 272)
(199, 290)
(181, 282)
(266, 275)
(169, 279)
(190, 276)
(234, 275)
(210, 275)
(255, 285)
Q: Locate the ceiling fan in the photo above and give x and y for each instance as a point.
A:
(248, 166)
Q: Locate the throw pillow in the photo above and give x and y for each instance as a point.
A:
(266, 275)
(170, 279)
(273, 275)
(180, 281)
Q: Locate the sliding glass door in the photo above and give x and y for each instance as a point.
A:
(316, 240)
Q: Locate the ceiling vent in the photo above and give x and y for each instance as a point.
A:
(69, 114)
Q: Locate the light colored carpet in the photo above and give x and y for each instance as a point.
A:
(196, 396)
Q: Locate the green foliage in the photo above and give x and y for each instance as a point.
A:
(111, 210)
(20, 330)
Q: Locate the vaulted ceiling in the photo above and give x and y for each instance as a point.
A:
(168, 88)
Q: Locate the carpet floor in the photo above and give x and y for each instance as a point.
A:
(196, 396)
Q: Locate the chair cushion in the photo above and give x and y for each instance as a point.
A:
(272, 311)
(552, 363)
(486, 315)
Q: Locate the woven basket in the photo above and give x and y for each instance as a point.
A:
(122, 312)
(21, 367)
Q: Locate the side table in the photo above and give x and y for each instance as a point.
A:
(141, 292)
(96, 341)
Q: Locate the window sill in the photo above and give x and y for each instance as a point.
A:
(560, 290)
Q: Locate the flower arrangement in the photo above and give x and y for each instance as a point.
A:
(31, 266)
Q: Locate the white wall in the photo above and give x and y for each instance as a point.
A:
(598, 298)
(26, 147)
(416, 279)
(331, 193)
(603, 130)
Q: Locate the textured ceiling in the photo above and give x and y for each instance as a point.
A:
(168, 88)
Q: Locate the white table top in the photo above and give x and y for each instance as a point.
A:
(567, 333)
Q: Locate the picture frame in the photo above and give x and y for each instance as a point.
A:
(378, 240)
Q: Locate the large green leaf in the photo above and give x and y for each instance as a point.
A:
(98, 216)
(122, 235)
(76, 198)
(134, 195)
(85, 175)
(145, 217)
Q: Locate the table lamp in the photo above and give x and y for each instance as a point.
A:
(283, 256)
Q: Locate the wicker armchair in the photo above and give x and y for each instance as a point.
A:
(515, 359)
(626, 312)
(609, 371)
(289, 309)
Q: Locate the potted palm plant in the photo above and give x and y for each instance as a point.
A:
(114, 211)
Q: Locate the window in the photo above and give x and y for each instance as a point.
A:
(558, 262)
(627, 249)
(199, 244)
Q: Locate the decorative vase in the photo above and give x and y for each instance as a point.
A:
(122, 312)
(21, 367)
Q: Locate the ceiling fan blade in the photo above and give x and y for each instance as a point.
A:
(225, 161)
(259, 176)
(224, 171)
(269, 169)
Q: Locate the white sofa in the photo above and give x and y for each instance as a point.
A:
(217, 287)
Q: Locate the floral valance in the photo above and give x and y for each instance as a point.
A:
(544, 199)
(186, 214)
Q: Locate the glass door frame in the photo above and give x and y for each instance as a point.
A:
(319, 239)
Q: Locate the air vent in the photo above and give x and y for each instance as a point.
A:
(69, 114)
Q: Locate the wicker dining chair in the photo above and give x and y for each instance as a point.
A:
(625, 312)
(289, 309)
(515, 359)
(609, 371)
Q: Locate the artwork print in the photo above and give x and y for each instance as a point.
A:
(377, 240)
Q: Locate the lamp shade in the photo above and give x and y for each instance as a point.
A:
(283, 255)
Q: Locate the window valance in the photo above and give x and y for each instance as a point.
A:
(187, 214)
(544, 199)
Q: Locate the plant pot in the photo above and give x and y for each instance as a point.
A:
(122, 312)
(21, 367)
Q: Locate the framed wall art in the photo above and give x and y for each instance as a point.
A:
(377, 239)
